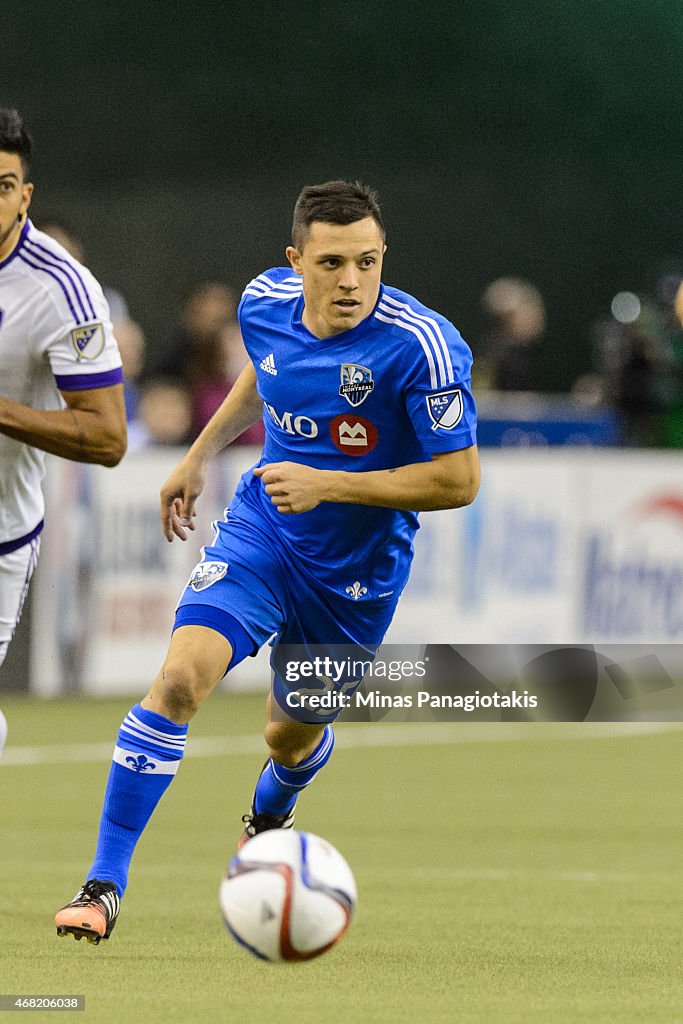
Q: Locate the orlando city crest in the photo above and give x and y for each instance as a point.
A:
(445, 409)
(356, 383)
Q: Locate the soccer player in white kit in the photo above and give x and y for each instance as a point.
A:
(61, 383)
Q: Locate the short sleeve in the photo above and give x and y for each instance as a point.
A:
(78, 338)
(438, 391)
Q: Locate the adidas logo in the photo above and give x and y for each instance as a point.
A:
(268, 364)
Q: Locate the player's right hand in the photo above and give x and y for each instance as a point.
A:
(178, 496)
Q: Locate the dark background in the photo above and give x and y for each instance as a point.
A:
(540, 139)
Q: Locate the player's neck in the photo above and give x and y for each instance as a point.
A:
(319, 328)
(10, 242)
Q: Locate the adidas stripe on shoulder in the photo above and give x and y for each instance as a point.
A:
(264, 287)
(427, 330)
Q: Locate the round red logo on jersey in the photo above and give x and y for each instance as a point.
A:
(353, 435)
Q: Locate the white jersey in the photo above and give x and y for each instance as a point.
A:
(55, 335)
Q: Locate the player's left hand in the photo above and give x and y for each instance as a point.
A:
(291, 486)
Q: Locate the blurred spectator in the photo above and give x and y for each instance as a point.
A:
(516, 321)
(207, 354)
(194, 349)
(165, 415)
(588, 391)
(639, 356)
(678, 306)
(674, 426)
(131, 341)
(57, 229)
(638, 391)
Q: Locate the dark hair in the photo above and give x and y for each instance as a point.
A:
(14, 138)
(335, 202)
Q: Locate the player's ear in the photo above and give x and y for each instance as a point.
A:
(27, 190)
(294, 257)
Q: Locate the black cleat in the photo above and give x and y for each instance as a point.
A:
(254, 824)
(92, 912)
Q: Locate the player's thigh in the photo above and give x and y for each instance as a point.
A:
(324, 627)
(16, 569)
(197, 660)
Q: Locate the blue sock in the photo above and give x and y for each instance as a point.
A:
(279, 786)
(148, 750)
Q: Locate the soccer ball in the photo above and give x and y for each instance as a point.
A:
(287, 896)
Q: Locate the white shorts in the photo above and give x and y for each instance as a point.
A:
(16, 570)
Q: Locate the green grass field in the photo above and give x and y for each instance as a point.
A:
(535, 881)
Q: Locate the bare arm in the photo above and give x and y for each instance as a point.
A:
(450, 480)
(241, 408)
(91, 429)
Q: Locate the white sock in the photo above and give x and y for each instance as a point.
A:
(3, 731)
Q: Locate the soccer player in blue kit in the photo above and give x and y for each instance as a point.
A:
(369, 417)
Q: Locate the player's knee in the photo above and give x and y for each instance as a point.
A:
(181, 690)
(271, 735)
(286, 743)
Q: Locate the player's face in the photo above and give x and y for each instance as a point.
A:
(341, 266)
(15, 196)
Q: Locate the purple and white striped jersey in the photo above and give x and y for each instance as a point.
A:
(55, 335)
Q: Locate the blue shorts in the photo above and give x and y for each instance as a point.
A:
(249, 588)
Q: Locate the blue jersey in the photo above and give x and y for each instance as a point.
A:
(389, 392)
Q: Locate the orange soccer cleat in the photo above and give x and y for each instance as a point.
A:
(92, 912)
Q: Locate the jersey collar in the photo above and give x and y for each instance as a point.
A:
(351, 335)
(18, 244)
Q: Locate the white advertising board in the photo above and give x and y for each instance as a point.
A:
(107, 582)
(561, 547)
(501, 570)
(631, 565)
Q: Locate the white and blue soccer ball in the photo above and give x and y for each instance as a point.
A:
(287, 896)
